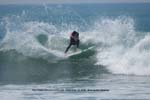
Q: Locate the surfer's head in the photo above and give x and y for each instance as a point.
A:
(75, 33)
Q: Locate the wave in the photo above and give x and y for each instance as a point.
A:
(119, 47)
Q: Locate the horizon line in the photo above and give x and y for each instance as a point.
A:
(48, 3)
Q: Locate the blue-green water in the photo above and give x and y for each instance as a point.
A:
(33, 39)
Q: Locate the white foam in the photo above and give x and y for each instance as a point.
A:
(24, 40)
(124, 52)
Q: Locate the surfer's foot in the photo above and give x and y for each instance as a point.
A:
(65, 54)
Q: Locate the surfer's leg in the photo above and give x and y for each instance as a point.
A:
(68, 48)
(78, 43)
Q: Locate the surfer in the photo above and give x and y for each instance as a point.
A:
(74, 40)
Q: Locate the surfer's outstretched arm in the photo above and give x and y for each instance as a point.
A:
(68, 48)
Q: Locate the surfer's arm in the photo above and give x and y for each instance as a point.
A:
(78, 42)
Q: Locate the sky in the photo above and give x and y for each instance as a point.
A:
(68, 1)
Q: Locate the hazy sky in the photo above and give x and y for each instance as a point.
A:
(68, 1)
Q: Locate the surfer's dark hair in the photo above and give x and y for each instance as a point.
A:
(74, 32)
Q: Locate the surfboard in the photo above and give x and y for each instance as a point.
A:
(79, 52)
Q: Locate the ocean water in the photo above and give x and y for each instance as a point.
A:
(33, 39)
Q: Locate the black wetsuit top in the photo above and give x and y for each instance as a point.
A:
(74, 40)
